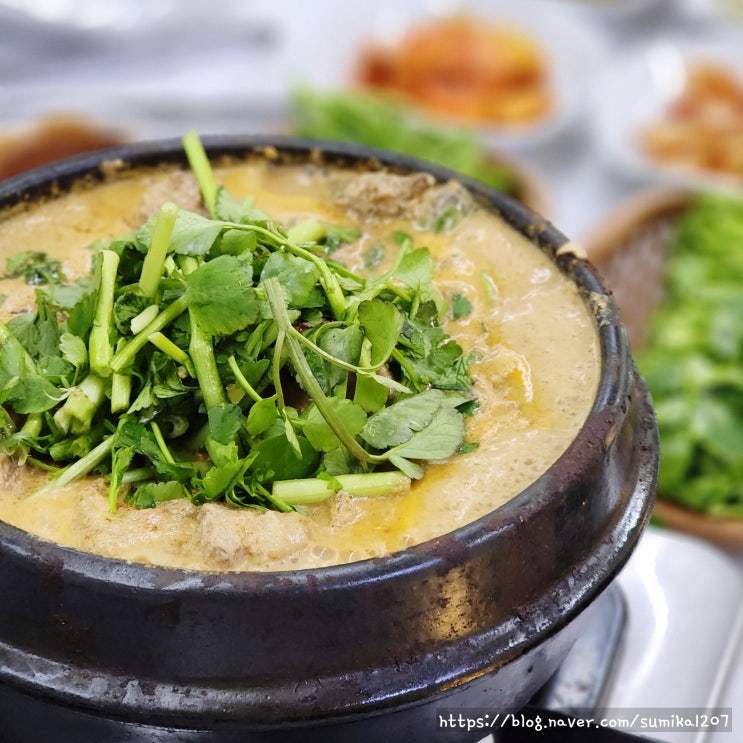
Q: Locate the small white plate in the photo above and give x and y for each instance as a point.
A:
(636, 91)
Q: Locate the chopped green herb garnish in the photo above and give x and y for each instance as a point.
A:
(460, 306)
(226, 358)
(35, 267)
(490, 286)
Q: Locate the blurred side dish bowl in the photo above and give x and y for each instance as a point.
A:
(516, 72)
(50, 138)
(463, 67)
(673, 114)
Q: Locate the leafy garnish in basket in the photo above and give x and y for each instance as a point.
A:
(223, 357)
(693, 360)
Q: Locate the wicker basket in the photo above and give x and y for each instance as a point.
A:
(630, 249)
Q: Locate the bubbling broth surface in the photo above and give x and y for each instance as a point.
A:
(536, 371)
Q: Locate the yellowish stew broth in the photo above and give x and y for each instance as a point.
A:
(535, 371)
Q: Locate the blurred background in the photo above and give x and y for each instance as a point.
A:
(619, 120)
(567, 87)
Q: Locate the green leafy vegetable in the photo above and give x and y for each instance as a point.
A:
(693, 360)
(220, 295)
(225, 357)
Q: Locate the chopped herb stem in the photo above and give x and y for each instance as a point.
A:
(168, 347)
(43, 465)
(100, 350)
(201, 351)
(121, 391)
(364, 485)
(33, 424)
(138, 474)
(78, 469)
(276, 365)
(154, 260)
(161, 443)
(240, 379)
(76, 415)
(201, 168)
(404, 364)
(30, 429)
(124, 356)
(307, 231)
(308, 381)
(121, 388)
(144, 318)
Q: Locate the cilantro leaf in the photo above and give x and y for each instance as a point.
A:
(460, 306)
(415, 269)
(382, 323)
(262, 415)
(319, 433)
(152, 493)
(438, 440)
(192, 233)
(73, 349)
(342, 343)
(238, 242)
(221, 297)
(276, 455)
(397, 423)
(224, 422)
(219, 480)
(227, 208)
(298, 276)
(21, 384)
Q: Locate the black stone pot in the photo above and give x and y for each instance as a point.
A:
(94, 649)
